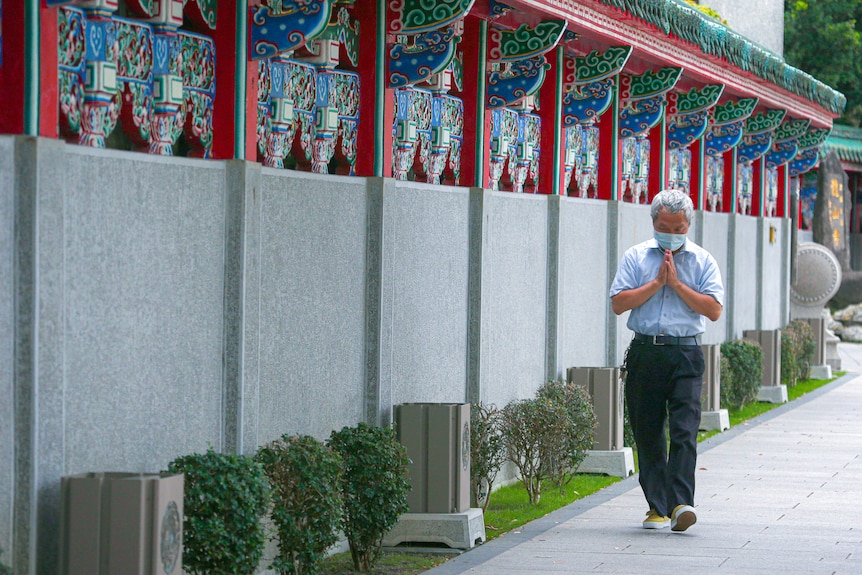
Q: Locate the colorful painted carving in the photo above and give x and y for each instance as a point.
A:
(157, 81)
(808, 153)
(515, 143)
(417, 58)
(649, 84)
(714, 181)
(683, 129)
(637, 117)
(419, 16)
(506, 45)
(274, 32)
(510, 83)
(679, 169)
(744, 187)
(771, 192)
(635, 166)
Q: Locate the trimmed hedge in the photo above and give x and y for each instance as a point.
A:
(741, 372)
(226, 497)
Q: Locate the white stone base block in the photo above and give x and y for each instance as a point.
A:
(821, 372)
(456, 530)
(772, 394)
(714, 420)
(618, 463)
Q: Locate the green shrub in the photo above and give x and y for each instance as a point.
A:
(305, 476)
(374, 487)
(579, 426)
(534, 440)
(487, 451)
(225, 498)
(741, 372)
(797, 349)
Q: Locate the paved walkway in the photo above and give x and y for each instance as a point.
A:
(781, 494)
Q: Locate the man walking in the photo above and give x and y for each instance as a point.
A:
(671, 285)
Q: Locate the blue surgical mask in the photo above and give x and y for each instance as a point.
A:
(670, 242)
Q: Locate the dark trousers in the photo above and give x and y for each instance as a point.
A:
(663, 384)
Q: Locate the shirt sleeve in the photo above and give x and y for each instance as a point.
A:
(627, 274)
(710, 280)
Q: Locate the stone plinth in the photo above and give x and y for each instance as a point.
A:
(616, 463)
(772, 394)
(714, 420)
(456, 530)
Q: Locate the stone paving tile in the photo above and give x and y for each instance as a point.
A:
(779, 496)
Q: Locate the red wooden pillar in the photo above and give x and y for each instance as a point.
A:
(697, 183)
(235, 107)
(728, 199)
(610, 169)
(658, 160)
(552, 176)
(28, 72)
(49, 74)
(782, 202)
(475, 166)
(376, 100)
(12, 70)
(758, 188)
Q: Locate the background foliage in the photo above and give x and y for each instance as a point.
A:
(822, 37)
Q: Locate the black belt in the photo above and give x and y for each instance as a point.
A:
(667, 339)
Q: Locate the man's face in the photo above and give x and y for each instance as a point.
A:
(668, 223)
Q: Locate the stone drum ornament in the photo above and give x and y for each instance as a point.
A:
(818, 276)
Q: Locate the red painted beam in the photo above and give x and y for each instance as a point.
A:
(12, 69)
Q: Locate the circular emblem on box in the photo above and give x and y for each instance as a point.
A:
(171, 537)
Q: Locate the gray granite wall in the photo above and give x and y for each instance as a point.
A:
(744, 281)
(312, 303)
(712, 234)
(514, 263)
(582, 284)
(7, 344)
(425, 271)
(773, 267)
(143, 300)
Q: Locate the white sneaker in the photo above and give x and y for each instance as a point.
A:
(682, 518)
(655, 521)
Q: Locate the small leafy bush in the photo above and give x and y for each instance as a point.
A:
(487, 451)
(741, 372)
(305, 476)
(226, 497)
(797, 349)
(578, 427)
(374, 487)
(535, 440)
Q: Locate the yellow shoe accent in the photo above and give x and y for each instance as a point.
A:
(655, 521)
(682, 518)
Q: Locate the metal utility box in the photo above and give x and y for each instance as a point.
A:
(710, 396)
(770, 343)
(606, 389)
(818, 328)
(121, 524)
(437, 439)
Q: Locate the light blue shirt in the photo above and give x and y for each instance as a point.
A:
(665, 312)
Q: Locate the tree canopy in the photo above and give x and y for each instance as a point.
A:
(822, 37)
